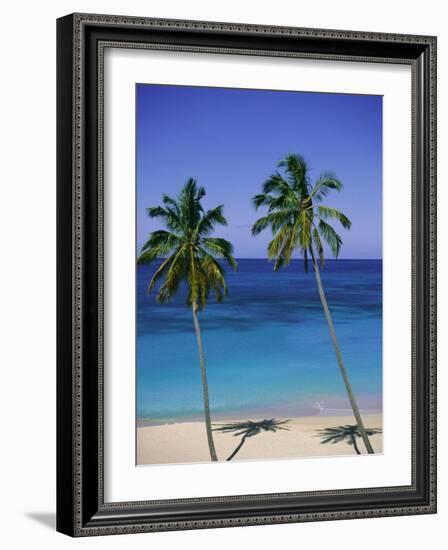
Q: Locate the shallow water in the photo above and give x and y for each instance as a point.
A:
(267, 346)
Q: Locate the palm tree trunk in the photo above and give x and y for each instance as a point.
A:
(337, 350)
(208, 422)
(241, 443)
(355, 445)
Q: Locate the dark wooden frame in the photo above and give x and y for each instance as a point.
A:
(81, 39)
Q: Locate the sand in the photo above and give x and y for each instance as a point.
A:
(186, 442)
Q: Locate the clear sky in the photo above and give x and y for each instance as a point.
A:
(230, 140)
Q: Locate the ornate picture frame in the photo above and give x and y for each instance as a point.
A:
(81, 507)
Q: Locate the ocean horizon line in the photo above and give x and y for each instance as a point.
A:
(301, 259)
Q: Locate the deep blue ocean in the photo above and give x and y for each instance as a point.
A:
(267, 346)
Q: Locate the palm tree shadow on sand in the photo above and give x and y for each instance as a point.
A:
(250, 428)
(348, 433)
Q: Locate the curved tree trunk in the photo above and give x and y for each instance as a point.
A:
(208, 422)
(344, 374)
(355, 445)
(240, 444)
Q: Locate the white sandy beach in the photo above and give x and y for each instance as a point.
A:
(185, 442)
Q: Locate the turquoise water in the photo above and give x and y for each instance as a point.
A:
(267, 346)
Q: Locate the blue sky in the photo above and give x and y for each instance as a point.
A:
(230, 140)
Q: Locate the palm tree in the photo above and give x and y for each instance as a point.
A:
(299, 221)
(249, 429)
(189, 256)
(341, 433)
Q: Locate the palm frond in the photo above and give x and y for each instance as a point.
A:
(296, 169)
(198, 287)
(169, 201)
(329, 213)
(211, 218)
(330, 236)
(276, 184)
(162, 240)
(262, 199)
(319, 247)
(173, 278)
(159, 273)
(294, 239)
(214, 275)
(274, 220)
(284, 201)
(292, 212)
(171, 270)
(323, 186)
(278, 243)
(169, 217)
(188, 250)
(303, 227)
(220, 248)
(148, 256)
(190, 203)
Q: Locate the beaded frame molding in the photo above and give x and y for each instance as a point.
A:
(81, 40)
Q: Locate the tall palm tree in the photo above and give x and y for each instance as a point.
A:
(189, 255)
(342, 433)
(251, 428)
(299, 222)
